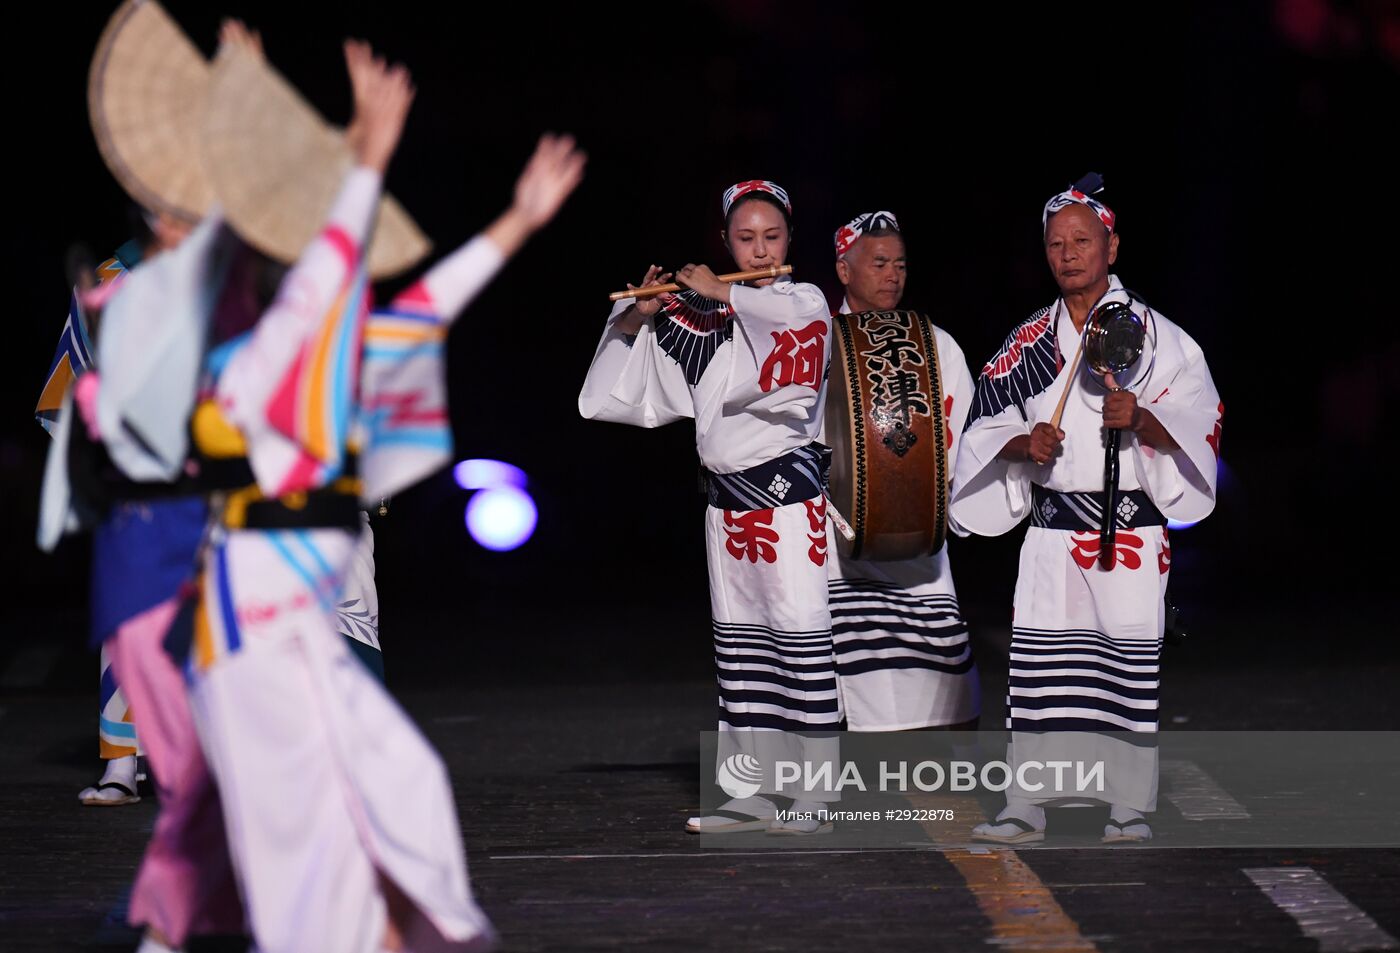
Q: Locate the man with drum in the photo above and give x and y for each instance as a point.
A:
(1088, 617)
(903, 660)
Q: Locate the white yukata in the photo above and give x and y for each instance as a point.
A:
(903, 658)
(1086, 641)
(325, 782)
(753, 377)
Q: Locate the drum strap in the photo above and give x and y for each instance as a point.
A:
(795, 476)
(1079, 512)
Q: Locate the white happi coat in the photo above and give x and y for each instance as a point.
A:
(753, 377)
(1086, 640)
(757, 394)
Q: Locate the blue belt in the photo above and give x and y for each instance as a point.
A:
(1051, 509)
(795, 476)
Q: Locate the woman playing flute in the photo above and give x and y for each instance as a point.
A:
(747, 362)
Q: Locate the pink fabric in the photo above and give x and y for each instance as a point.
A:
(85, 397)
(417, 297)
(305, 298)
(186, 883)
(344, 243)
(282, 409)
(304, 475)
(94, 299)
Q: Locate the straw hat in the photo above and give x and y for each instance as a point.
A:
(146, 92)
(277, 166)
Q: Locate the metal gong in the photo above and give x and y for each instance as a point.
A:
(1113, 339)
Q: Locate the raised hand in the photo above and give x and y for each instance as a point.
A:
(552, 173)
(235, 35)
(383, 95)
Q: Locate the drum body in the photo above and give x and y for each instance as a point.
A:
(886, 424)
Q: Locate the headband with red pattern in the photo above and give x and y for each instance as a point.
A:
(741, 189)
(1081, 194)
(848, 234)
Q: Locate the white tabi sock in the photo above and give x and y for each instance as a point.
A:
(810, 821)
(1003, 828)
(118, 771)
(150, 944)
(1126, 824)
(121, 770)
(757, 807)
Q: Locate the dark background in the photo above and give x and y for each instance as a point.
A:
(1246, 150)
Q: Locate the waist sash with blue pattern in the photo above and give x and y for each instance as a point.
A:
(795, 476)
(1051, 509)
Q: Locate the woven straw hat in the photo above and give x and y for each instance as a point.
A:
(277, 166)
(146, 93)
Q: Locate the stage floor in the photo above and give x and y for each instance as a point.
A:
(573, 788)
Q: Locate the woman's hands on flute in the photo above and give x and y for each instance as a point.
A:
(700, 278)
(654, 276)
(631, 320)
